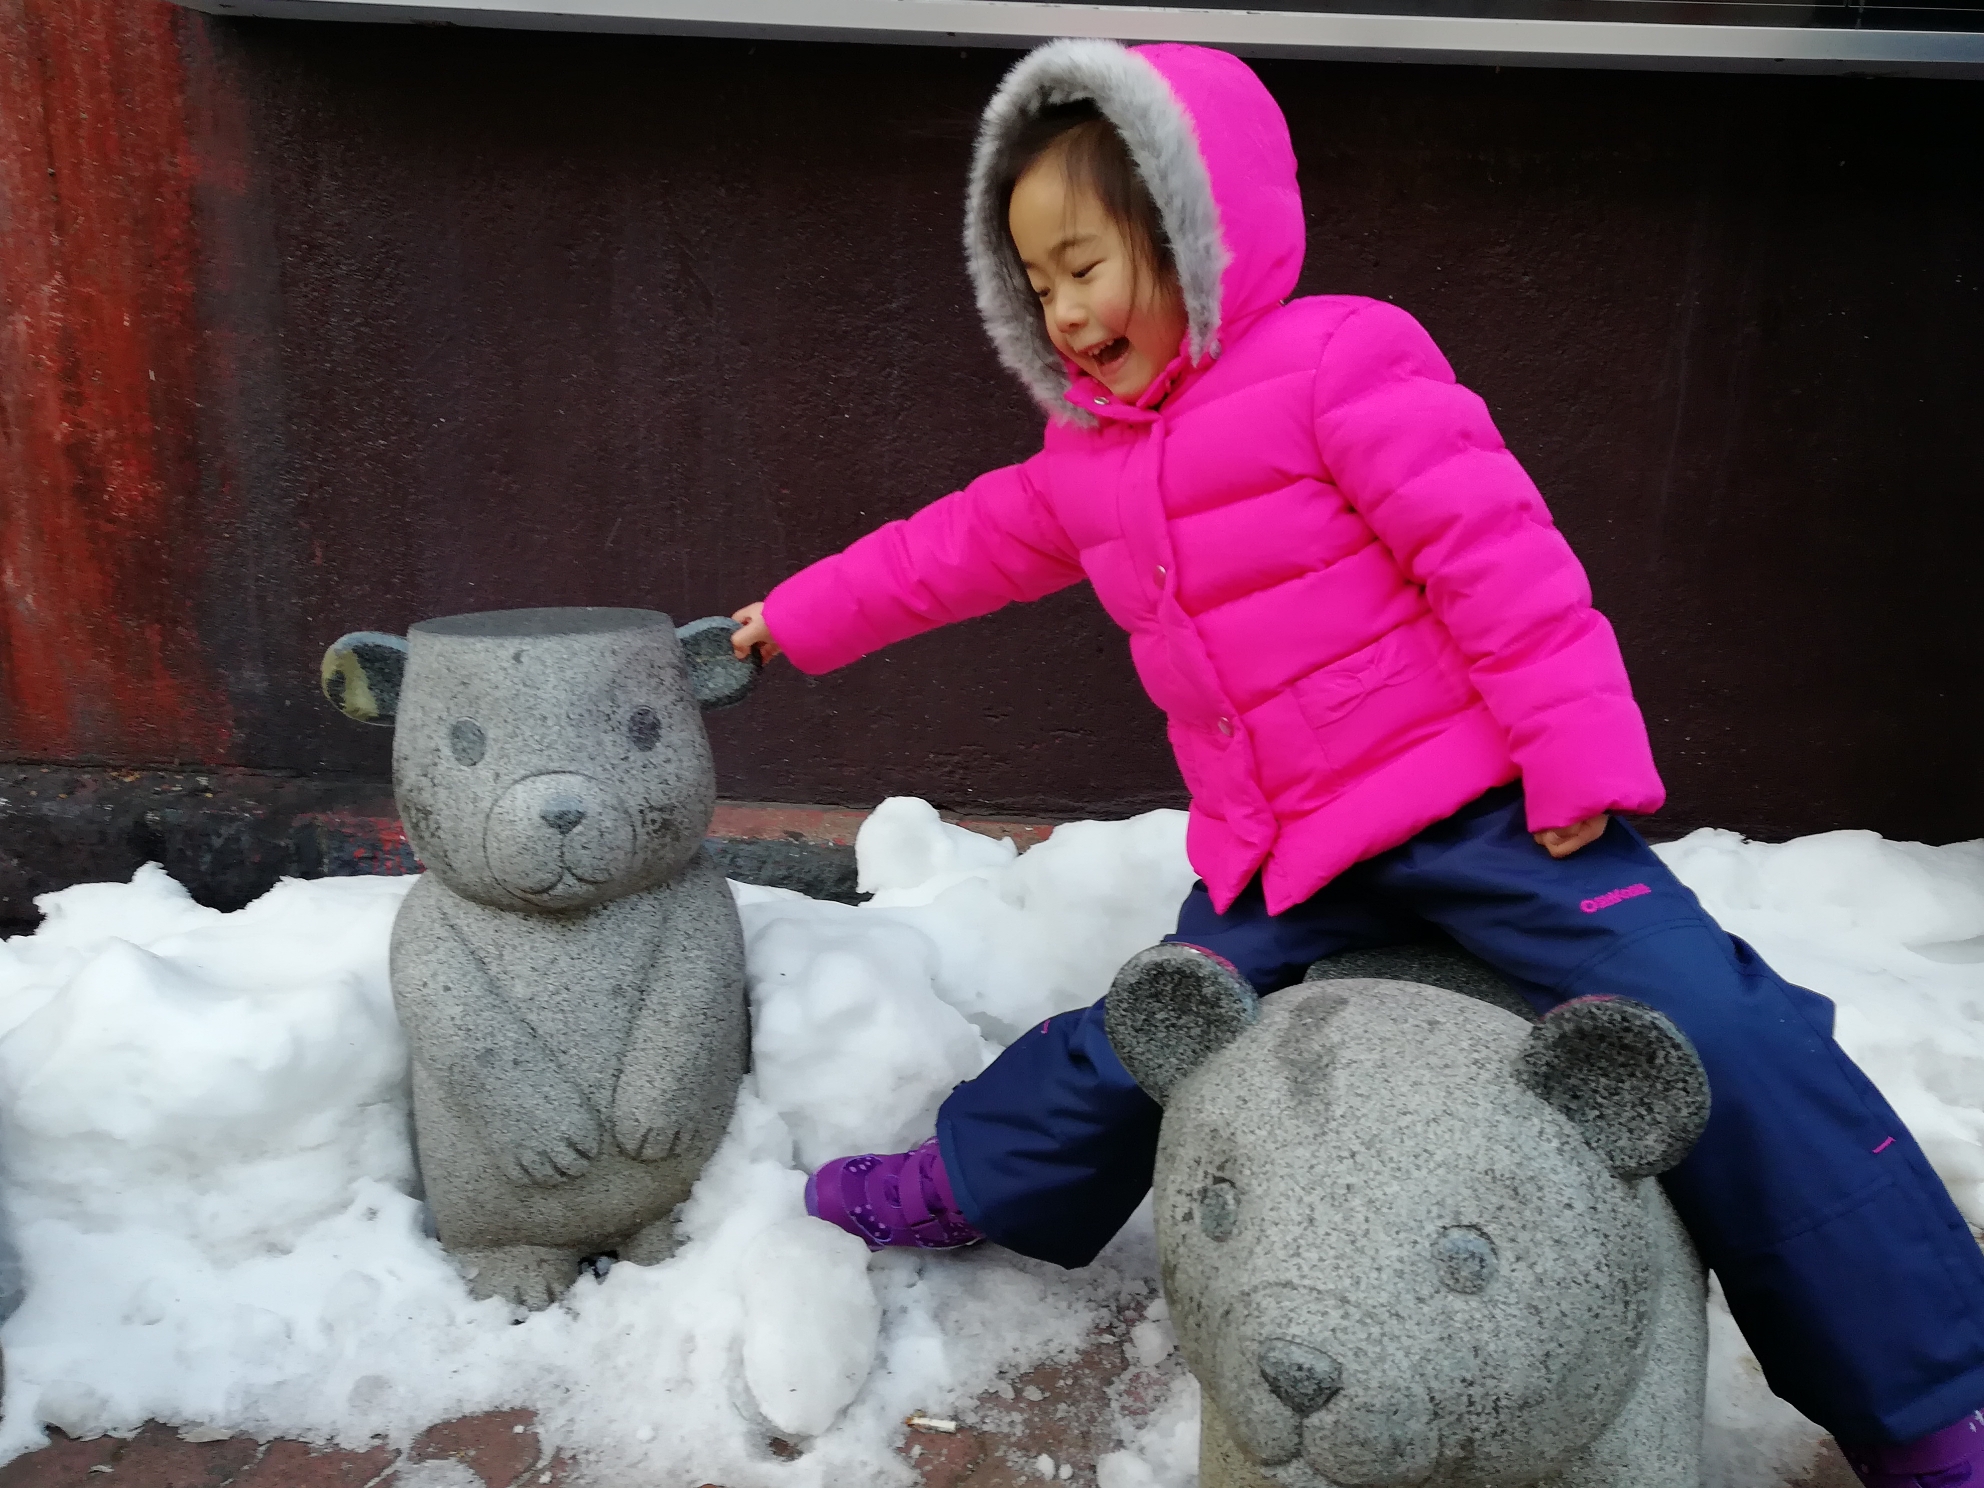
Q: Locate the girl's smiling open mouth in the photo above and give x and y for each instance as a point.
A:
(1108, 355)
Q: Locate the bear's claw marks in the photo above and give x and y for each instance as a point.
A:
(560, 1148)
(1170, 1008)
(645, 1140)
(531, 1276)
(654, 1114)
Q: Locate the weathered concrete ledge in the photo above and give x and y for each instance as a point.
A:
(229, 835)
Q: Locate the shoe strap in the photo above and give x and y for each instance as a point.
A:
(921, 1208)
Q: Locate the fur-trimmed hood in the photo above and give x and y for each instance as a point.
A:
(1209, 142)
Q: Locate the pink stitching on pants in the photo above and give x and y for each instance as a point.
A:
(1617, 896)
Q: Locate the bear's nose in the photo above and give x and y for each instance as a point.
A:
(1304, 1379)
(562, 813)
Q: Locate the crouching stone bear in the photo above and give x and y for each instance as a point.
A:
(1410, 1238)
(570, 969)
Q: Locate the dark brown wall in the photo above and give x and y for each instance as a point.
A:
(495, 318)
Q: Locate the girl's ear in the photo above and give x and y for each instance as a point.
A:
(361, 675)
(716, 676)
(1170, 1009)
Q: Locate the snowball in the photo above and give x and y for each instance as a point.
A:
(811, 1322)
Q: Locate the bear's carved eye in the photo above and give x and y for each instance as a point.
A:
(467, 742)
(644, 728)
(1465, 1259)
(1219, 1209)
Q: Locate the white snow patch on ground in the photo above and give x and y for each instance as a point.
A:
(204, 1147)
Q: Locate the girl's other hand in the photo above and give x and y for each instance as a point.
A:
(752, 634)
(1561, 842)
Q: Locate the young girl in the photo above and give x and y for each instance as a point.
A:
(1395, 709)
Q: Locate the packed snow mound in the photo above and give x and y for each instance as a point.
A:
(204, 1148)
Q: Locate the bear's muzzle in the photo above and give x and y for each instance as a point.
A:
(559, 840)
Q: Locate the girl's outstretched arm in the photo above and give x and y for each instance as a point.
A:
(1420, 459)
(975, 550)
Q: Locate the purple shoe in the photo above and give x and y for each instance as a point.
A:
(902, 1198)
(1948, 1458)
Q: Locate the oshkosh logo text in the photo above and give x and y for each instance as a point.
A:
(1606, 901)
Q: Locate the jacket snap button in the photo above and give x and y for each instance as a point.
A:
(1100, 401)
(1160, 576)
(1226, 727)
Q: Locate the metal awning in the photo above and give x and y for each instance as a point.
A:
(1837, 37)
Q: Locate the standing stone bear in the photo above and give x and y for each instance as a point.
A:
(1411, 1238)
(570, 969)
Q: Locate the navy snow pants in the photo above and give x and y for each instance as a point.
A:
(1850, 1272)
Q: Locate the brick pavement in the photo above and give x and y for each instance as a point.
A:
(1020, 1435)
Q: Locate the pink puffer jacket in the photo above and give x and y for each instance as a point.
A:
(1340, 587)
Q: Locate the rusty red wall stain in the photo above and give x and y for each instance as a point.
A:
(100, 551)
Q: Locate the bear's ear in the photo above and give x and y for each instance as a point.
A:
(361, 675)
(1628, 1079)
(1170, 1009)
(716, 676)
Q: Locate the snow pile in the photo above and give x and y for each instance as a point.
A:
(203, 1144)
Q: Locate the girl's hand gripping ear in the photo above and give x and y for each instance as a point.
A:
(1561, 842)
(752, 634)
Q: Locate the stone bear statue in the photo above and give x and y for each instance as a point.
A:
(1409, 1237)
(570, 969)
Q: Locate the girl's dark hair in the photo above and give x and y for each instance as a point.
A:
(1094, 157)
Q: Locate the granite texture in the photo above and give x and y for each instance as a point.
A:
(1167, 1006)
(570, 969)
(1431, 963)
(1404, 1244)
(1626, 1076)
